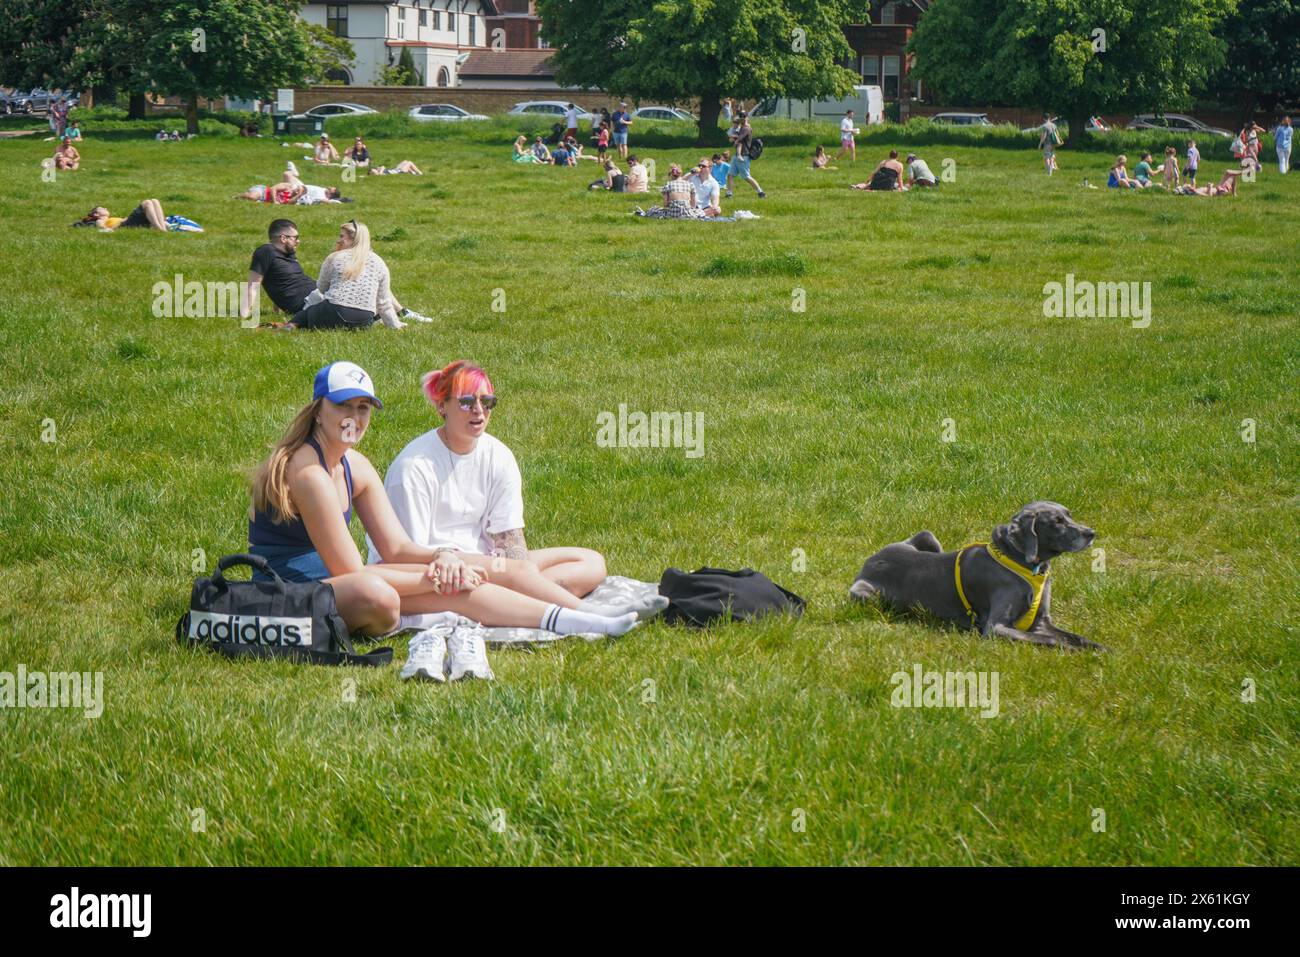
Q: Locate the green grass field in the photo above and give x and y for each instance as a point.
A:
(824, 439)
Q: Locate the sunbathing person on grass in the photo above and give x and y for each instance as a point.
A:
(148, 215)
(1227, 186)
(303, 498)
(457, 487)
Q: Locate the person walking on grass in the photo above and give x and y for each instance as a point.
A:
(1193, 163)
(1048, 141)
(847, 143)
(303, 498)
(571, 121)
(744, 141)
(1282, 140)
(619, 124)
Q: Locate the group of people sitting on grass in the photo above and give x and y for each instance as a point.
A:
(444, 526)
(1144, 175)
(892, 176)
(694, 195)
(352, 291)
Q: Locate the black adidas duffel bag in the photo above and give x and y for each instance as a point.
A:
(270, 619)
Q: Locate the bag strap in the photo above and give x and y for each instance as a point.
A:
(371, 659)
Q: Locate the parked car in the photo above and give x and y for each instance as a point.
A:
(547, 108)
(38, 100)
(442, 111)
(662, 113)
(327, 110)
(867, 102)
(1174, 123)
(1095, 125)
(962, 119)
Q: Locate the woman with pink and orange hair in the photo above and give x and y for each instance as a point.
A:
(457, 488)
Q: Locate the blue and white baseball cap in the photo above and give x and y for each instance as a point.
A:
(340, 381)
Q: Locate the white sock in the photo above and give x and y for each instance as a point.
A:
(570, 621)
(643, 608)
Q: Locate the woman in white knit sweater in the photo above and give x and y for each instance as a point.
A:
(354, 282)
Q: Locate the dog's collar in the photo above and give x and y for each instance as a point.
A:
(1030, 577)
(1027, 572)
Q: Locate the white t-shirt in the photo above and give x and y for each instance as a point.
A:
(920, 170)
(846, 127)
(442, 498)
(706, 191)
(313, 195)
(571, 119)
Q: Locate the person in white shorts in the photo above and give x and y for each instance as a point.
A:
(847, 131)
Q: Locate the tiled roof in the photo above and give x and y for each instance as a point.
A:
(512, 63)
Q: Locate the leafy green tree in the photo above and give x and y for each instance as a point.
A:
(1071, 57)
(673, 50)
(212, 48)
(1262, 66)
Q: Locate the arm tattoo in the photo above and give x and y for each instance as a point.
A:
(509, 544)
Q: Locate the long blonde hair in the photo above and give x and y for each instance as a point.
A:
(355, 256)
(270, 486)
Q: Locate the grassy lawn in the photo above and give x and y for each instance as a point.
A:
(824, 439)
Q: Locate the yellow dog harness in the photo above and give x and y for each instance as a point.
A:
(1035, 583)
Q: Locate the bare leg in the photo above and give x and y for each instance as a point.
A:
(153, 210)
(367, 603)
(490, 604)
(577, 570)
(523, 577)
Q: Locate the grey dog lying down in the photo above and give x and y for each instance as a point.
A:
(1001, 588)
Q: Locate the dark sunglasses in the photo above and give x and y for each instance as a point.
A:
(466, 402)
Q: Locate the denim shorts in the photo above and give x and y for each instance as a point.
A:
(290, 563)
(740, 167)
(620, 139)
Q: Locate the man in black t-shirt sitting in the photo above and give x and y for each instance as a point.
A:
(275, 265)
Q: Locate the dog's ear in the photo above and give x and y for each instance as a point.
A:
(1026, 535)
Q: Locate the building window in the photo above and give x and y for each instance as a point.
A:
(472, 21)
(401, 23)
(437, 19)
(451, 20)
(871, 70)
(424, 18)
(890, 86)
(336, 19)
(444, 77)
(887, 17)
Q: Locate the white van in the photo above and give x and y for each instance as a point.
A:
(866, 102)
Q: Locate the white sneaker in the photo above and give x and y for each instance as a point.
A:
(291, 168)
(428, 652)
(468, 654)
(412, 314)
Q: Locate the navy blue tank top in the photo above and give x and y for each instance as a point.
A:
(263, 530)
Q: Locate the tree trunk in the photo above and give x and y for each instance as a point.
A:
(192, 114)
(710, 107)
(1078, 120)
(136, 107)
(102, 95)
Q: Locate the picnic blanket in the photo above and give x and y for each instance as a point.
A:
(614, 590)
